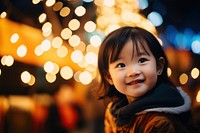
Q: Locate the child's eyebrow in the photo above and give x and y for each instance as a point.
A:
(141, 53)
(120, 57)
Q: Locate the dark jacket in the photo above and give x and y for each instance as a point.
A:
(152, 122)
(165, 110)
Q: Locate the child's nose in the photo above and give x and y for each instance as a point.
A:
(133, 71)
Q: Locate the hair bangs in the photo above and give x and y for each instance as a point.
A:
(116, 49)
(139, 44)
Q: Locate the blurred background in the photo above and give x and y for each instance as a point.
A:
(48, 58)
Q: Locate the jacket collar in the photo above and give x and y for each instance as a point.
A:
(161, 98)
(173, 110)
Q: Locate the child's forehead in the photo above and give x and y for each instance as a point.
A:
(130, 47)
(135, 48)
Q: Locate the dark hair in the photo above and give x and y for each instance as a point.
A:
(112, 46)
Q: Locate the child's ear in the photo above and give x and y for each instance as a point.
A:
(109, 79)
(160, 65)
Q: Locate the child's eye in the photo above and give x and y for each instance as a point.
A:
(142, 60)
(120, 65)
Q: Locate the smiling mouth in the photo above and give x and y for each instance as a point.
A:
(136, 82)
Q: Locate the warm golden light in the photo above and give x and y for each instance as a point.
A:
(195, 73)
(47, 29)
(66, 33)
(148, 25)
(95, 41)
(64, 12)
(66, 72)
(3, 60)
(109, 3)
(62, 51)
(57, 42)
(183, 78)
(81, 47)
(32, 81)
(76, 56)
(21, 102)
(74, 40)
(47, 34)
(91, 58)
(42, 17)
(198, 96)
(3, 15)
(25, 77)
(74, 24)
(126, 15)
(35, 1)
(57, 6)
(48, 67)
(80, 11)
(90, 26)
(76, 76)
(94, 74)
(102, 22)
(21, 50)
(169, 72)
(8, 60)
(14, 38)
(50, 3)
(83, 63)
(56, 69)
(91, 68)
(38, 50)
(111, 28)
(50, 77)
(112, 14)
(85, 77)
(91, 48)
(45, 45)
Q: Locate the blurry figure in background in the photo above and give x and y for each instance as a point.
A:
(40, 111)
(18, 117)
(94, 110)
(133, 70)
(18, 121)
(64, 115)
(4, 106)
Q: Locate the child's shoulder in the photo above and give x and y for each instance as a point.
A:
(155, 118)
(161, 121)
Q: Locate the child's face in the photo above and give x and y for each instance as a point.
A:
(133, 74)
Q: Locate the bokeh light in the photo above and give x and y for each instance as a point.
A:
(195, 73)
(66, 72)
(21, 50)
(25, 77)
(14, 38)
(183, 78)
